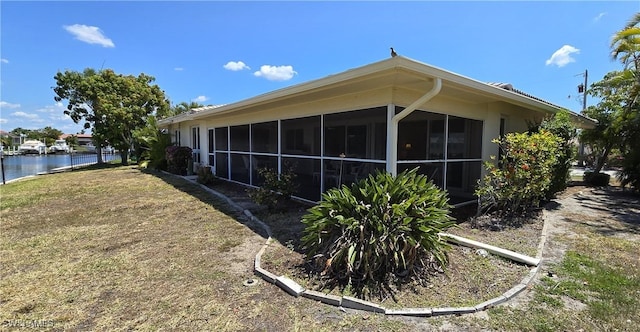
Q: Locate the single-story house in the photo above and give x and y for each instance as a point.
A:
(392, 115)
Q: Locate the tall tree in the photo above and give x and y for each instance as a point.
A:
(72, 141)
(618, 112)
(611, 130)
(50, 134)
(625, 46)
(80, 89)
(112, 105)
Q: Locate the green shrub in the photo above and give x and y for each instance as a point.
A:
(596, 179)
(561, 126)
(157, 151)
(523, 175)
(382, 229)
(276, 188)
(178, 159)
(630, 172)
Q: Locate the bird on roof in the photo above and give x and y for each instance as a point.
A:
(393, 53)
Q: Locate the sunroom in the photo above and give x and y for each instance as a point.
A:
(391, 115)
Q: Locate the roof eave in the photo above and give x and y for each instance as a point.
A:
(392, 64)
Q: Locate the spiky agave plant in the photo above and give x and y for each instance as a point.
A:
(382, 228)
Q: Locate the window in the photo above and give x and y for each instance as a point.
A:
(210, 139)
(240, 167)
(301, 136)
(433, 171)
(211, 147)
(195, 138)
(222, 165)
(465, 138)
(264, 137)
(195, 143)
(447, 149)
(260, 162)
(306, 180)
(222, 140)
(421, 136)
(358, 134)
(239, 138)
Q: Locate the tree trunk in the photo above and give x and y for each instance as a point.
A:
(603, 159)
(99, 154)
(124, 156)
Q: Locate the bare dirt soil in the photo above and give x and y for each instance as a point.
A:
(469, 279)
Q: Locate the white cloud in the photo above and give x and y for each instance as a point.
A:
(58, 107)
(25, 115)
(4, 104)
(3, 120)
(235, 66)
(59, 117)
(178, 69)
(597, 18)
(200, 99)
(3, 60)
(89, 34)
(273, 73)
(562, 56)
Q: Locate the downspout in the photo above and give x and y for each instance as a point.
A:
(392, 137)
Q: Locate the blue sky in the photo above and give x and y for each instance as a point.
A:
(222, 52)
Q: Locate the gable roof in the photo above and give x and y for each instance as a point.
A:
(397, 70)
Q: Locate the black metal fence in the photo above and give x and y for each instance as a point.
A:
(82, 159)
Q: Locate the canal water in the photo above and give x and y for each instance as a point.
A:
(25, 165)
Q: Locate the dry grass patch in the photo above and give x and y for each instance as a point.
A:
(120, 249)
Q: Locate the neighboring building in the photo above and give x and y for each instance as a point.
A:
(15, 139)
(83, 139)
(391, 115)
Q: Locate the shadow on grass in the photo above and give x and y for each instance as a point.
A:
(623, 206)
(194, 190)
(95, 167)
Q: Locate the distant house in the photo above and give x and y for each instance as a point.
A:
(391, 115)
(15, 139)
(83, 139)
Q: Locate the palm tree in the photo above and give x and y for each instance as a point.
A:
(184, 107)
(625, 44)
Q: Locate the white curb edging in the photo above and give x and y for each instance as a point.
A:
(514, 256)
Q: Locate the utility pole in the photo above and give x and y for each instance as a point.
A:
(582, 88)
(584, 96)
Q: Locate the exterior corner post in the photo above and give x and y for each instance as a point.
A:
(392, 141)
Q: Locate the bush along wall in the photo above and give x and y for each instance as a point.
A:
(561, 126)
(178, 159)
(520, 180)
